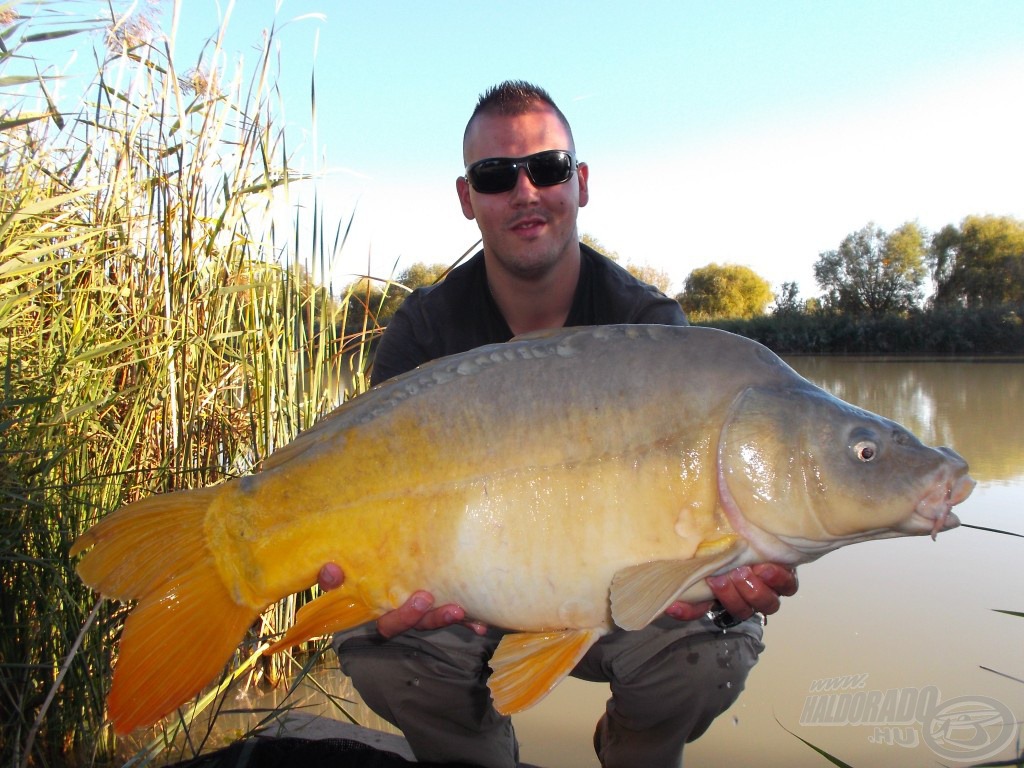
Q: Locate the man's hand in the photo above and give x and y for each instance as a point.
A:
(415, 613)
(743, 592)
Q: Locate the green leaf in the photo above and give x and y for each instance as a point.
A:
(1019, 614)
(831, 758)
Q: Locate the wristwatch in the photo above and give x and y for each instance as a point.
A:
(720, 617)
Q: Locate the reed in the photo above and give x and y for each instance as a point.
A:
(159, 331)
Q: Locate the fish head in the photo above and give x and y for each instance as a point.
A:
(802, 470)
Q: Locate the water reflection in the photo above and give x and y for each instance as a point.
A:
(973, 407)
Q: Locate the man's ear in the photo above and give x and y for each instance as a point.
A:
(583, 174)
(462, 188)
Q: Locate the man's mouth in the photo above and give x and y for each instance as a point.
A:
(527, 224)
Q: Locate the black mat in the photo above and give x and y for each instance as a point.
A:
(263, 752)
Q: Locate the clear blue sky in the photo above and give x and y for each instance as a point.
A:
(750, 132)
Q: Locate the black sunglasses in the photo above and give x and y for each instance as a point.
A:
(500, 174)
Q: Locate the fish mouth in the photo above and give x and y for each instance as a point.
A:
(934, 512)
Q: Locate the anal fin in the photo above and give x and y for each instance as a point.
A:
(329, 613)
(641, 593)
(528, 665)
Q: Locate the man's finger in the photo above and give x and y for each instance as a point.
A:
(406, 616)
(330, 577)
(780, 578)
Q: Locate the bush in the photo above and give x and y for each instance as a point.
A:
(944, 331)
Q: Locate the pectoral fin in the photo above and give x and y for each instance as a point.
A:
(528, 665)
(641, 593)
(325, 615)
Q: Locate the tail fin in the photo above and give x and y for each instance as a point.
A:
(186, 624)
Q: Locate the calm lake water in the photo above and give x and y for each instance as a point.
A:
(905, 629)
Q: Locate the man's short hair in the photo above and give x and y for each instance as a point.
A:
(512, 98)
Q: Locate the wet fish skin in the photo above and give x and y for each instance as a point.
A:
(560, 485)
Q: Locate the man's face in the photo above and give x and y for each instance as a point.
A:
(527, 230)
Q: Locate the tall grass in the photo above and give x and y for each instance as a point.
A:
(158, 333)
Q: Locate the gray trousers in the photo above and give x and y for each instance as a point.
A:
(668, 682)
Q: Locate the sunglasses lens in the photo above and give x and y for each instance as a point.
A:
(549, 168)
(490, 176)
(500, 174)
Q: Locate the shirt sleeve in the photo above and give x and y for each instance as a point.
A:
(613, 295)
(662, 311)
(399, 350)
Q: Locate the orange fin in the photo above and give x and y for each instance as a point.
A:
(641, 593)
(172, 646)
(327, 614)
(185, 626)
(141, 545)
(528, 665)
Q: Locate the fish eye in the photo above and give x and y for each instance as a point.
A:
(865, 450)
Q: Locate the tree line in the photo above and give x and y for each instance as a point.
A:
(872, 273)
(873, 295)
(873, 280)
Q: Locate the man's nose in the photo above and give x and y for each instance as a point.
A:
(524, 188)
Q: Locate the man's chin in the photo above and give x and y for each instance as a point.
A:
(534, 261)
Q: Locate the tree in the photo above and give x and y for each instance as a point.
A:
(873, 272)
(651, 275)
(724, 291)
(380, 299)
(787, 300)
(659, 278)
(588, 239)
(979, 264)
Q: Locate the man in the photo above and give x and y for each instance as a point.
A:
(425, 668)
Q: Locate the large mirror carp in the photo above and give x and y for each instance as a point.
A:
(559, 485)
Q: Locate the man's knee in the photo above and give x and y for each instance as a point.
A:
(439, 699)
(375, 676)
(672, 698)
(691, 681)
(719, 683)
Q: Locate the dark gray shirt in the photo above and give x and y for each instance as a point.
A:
(459, 313)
